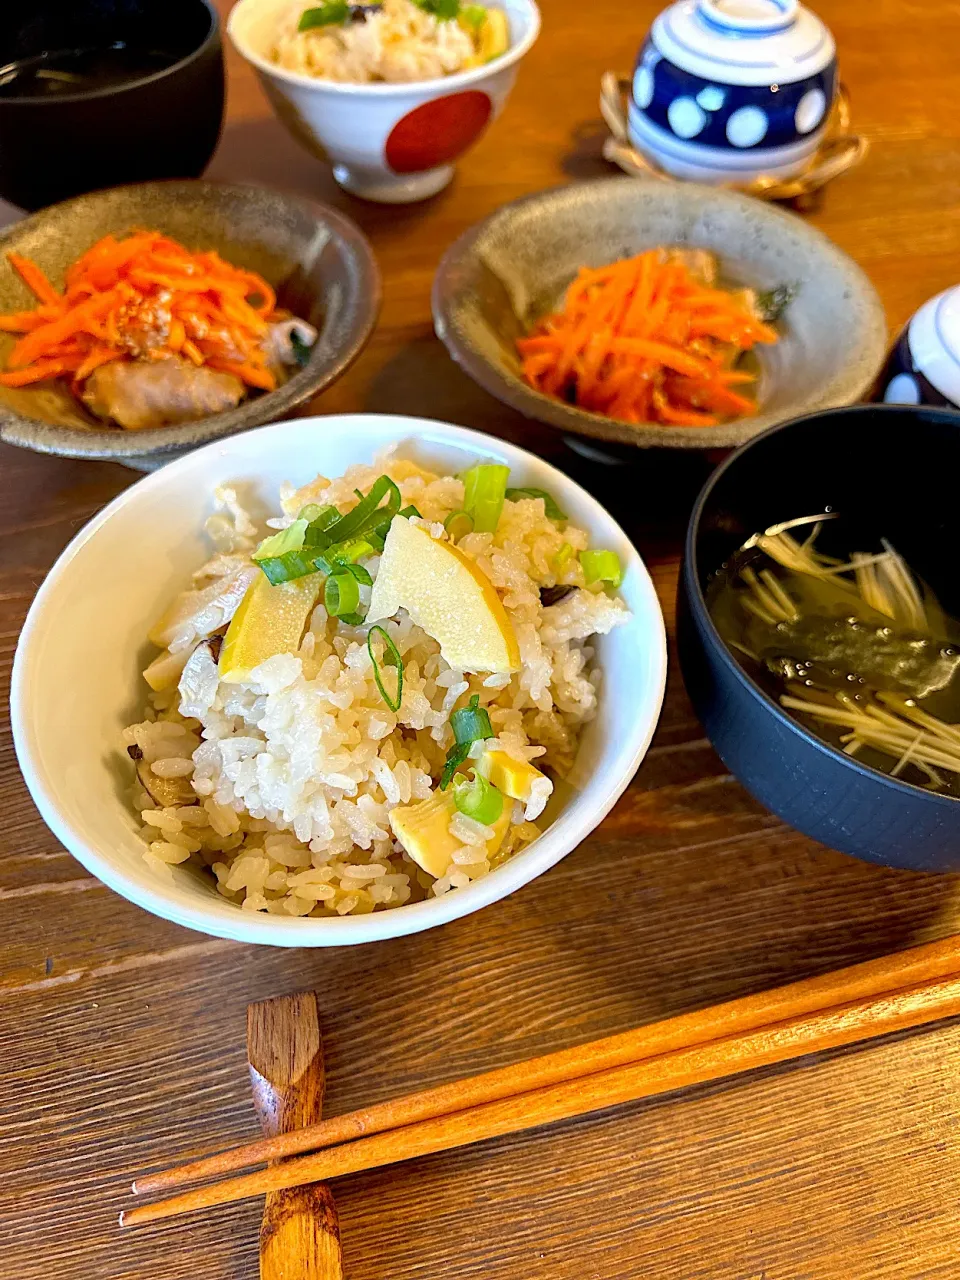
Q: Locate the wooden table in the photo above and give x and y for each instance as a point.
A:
(122, 1036)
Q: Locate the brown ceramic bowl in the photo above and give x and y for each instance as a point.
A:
(511, 269)
(321, 266)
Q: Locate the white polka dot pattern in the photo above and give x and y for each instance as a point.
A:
(903, 389)
(810, 110)
(685, 117)
(643, 87)
(711, 98)
(747, 127)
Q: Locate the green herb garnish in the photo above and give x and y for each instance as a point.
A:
(562, 556)
(282, 556)
(391, 658)
(324, 15)
(484, 490)
(550, 507)
(601, 566)
(455, 758)
(458, 524)
(473, 16)
(470, 724)
(341, 594)
(445, 10)
(289, 539)
(772, 303)
(301, 350)
(478, 799)
(368, 516)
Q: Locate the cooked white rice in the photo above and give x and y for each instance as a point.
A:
(399, 42)
(283, 786)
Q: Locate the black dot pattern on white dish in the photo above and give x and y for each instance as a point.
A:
(732, 117)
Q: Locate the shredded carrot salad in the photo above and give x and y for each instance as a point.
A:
(646, 340)
(142, 297)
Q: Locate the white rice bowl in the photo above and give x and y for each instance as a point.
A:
(313, 860)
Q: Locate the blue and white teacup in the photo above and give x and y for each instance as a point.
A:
(924, 366)
(727, 91)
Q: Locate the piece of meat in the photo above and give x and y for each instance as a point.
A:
(157, 393)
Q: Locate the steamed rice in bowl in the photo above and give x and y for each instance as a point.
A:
(395, 42)
(291, 781)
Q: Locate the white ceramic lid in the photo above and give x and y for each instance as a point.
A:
(934, 338)
(744, 42)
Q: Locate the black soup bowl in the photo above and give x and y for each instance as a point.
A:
(892, 469)
(100, 93)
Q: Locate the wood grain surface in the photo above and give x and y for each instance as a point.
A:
(299, 1233)
(122, 1036)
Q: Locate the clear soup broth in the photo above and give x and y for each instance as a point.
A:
(834, 625)
(74, 71)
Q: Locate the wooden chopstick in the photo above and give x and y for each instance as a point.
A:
(827, 1029)
(861, 981)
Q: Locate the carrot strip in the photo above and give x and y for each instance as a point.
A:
(97, 357)
(643, 339)
(248, 373)
(35, 280)
(37, 372)
(144, 296)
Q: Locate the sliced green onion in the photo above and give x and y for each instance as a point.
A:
(409, 512)
(455, 758)
(321, 519)
(562, 556)
(368, 515)
(353, 619)
(550, 507)
(324, 15)
(348, 553)
(484, 489)
(391, 658)
(288, 567)
(289, 539)
(458, 524)
(282, 557)
(474, 16)
(601, 566)
(478, 799)
(358, 573)
(471, 723)
(445, 10)
(341, 594)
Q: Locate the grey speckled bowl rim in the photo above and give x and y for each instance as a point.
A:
(846, 387)
(162, 443)
(690, 576)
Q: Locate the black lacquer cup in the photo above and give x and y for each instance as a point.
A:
(893, 469)
(162, 123)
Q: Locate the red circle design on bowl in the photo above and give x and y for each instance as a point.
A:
(437, 132)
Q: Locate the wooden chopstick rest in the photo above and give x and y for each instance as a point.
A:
(300, 1231)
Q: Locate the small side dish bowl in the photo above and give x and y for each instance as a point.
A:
(852, 461)
(77, 682)
(500, 277)
(319, 262)
(101, 92)
(391, 143)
